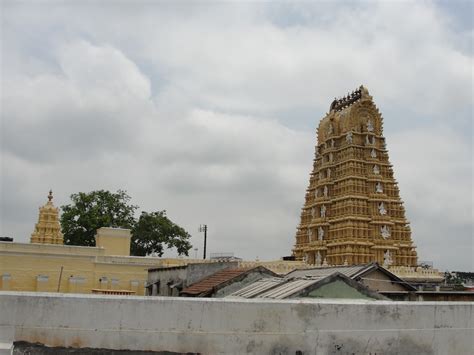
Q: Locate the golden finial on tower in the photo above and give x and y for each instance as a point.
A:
(50, 196)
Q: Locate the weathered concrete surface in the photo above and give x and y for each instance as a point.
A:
(6, 348)
(24, 348)
(229, 326)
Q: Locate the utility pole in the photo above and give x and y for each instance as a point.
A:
(203, 228)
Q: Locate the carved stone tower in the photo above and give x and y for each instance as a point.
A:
(48, 229)
(353, 213)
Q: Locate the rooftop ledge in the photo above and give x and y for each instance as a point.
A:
(134, 298)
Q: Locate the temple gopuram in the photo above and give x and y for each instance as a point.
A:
(353, 213)
(48, 229)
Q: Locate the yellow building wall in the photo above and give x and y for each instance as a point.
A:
(21, 264)
(37, 266)
(115, 241)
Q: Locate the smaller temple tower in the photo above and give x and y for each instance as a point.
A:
(48, 229)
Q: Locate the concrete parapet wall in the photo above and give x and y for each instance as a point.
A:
(230, 326)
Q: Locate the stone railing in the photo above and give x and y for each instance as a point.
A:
(277, 266)
(150, 261)
(33, 248)
(129, 260)
(113, 292)
(417, 273)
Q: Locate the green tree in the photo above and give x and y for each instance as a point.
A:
(91, 211)
(153, 230)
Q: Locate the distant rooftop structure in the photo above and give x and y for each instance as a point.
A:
(224, 257)
(351, 271)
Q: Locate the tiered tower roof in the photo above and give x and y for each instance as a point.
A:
(353, 213)
(48, 229)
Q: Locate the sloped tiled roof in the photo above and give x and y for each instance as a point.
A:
(207, 284)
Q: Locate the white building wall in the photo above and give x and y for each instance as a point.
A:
(230, 326)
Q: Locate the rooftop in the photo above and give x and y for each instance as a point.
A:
(284, 288)
(207, 284)
(352, 271)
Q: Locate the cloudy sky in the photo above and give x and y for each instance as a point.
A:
(209, 110)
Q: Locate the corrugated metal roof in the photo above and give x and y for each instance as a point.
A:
(207, 284)
(319, 272)
(258, 287)
(287, 289)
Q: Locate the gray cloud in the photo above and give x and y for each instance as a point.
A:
(210, 112)
(91, 106)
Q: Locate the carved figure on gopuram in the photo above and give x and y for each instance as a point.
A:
(378, 187)
(318, 258)
(385, 232)
(320, 233)
(387, 258)
(370, 126)
(349, 137)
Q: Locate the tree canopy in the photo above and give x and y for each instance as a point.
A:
(91, 211)
(154, 229)
(150, 232)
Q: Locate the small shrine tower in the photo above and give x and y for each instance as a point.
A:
(48, 229)
(353, 213)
